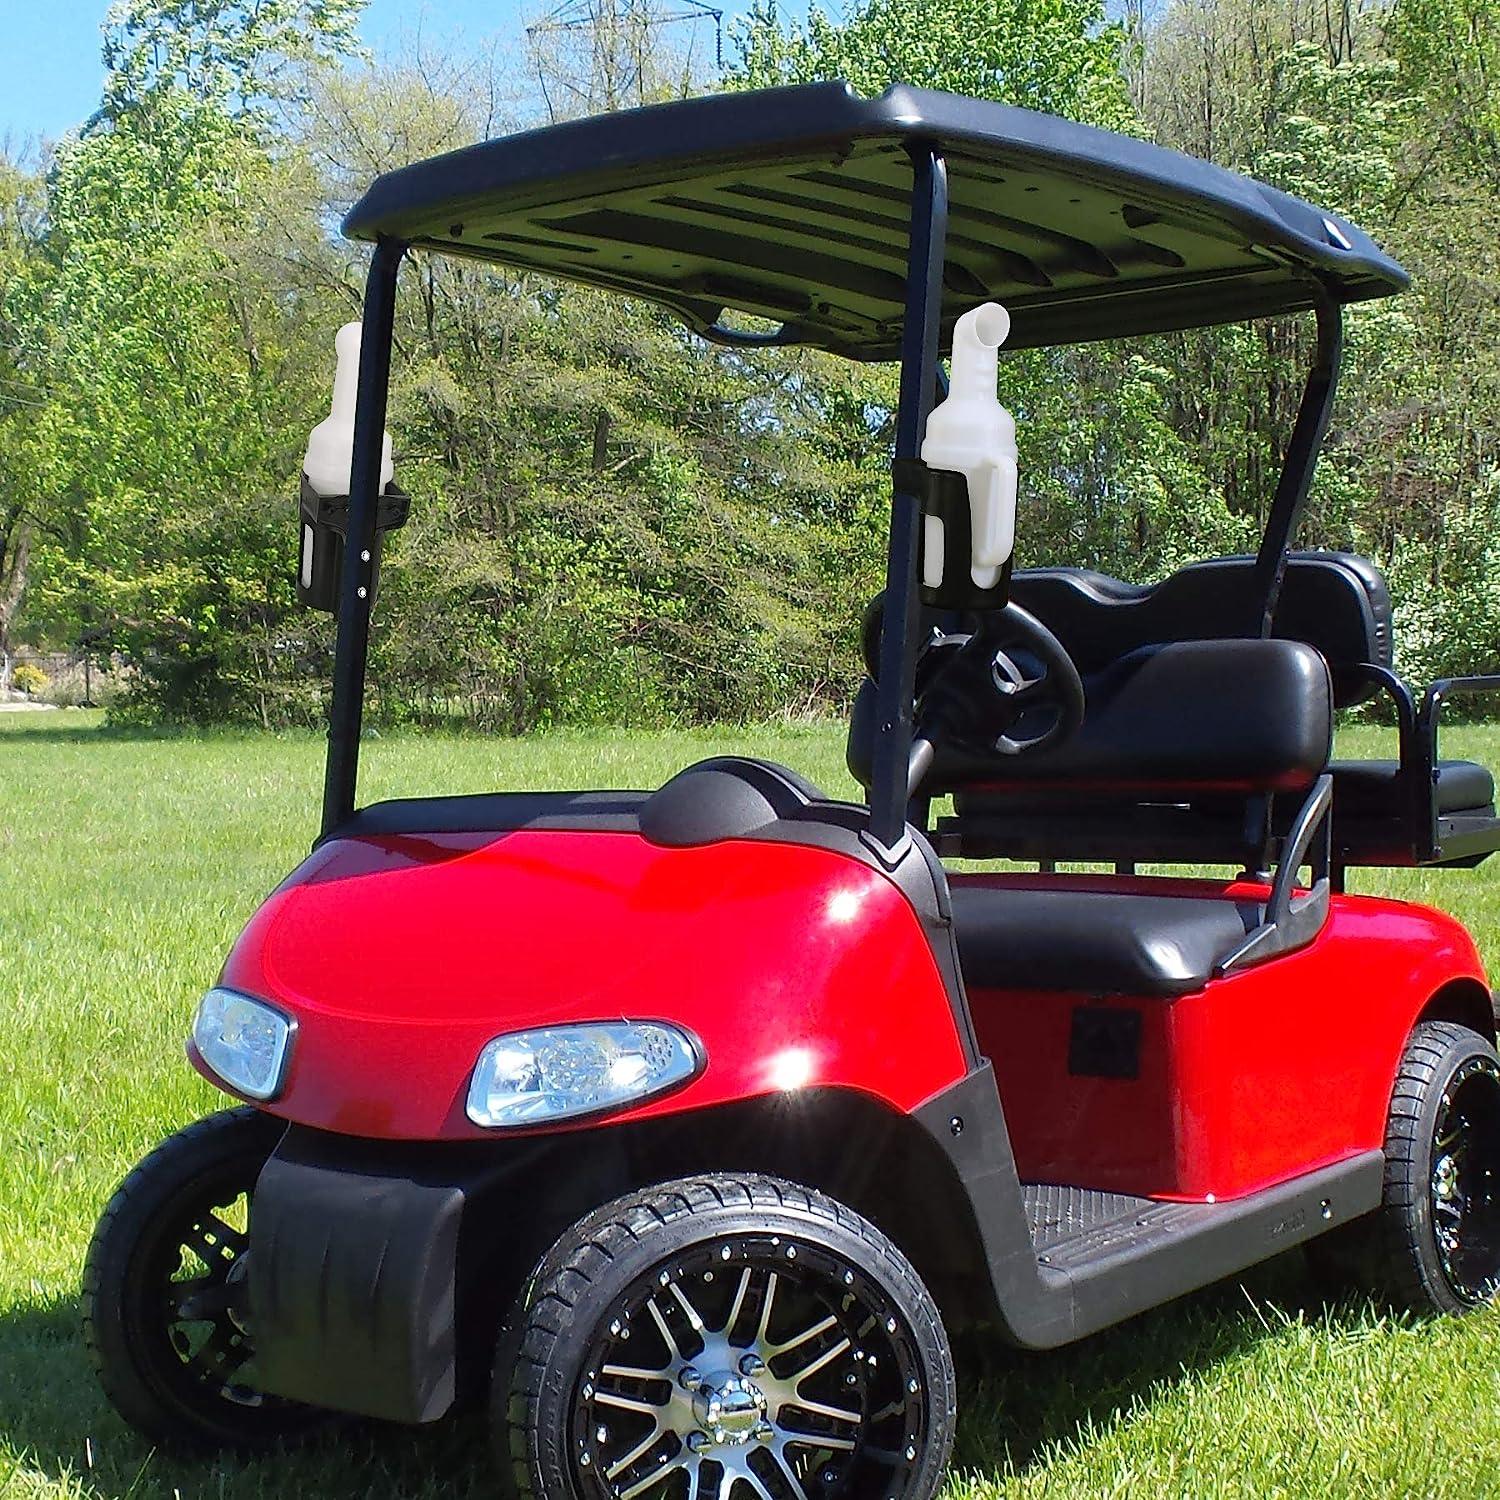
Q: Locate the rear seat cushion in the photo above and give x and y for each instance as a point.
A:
(1370, 789)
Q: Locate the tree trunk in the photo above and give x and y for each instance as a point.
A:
(15, 559)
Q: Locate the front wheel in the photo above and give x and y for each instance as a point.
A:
(725, 1338)
(164, 1314)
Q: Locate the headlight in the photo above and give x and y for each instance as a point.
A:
(244, 1041)
(532, 1077)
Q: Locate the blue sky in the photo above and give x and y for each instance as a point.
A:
(49, 50)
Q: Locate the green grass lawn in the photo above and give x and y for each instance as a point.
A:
(127, 864)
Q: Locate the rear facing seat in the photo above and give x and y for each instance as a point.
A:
(1125, 790)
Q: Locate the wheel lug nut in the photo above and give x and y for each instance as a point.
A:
(698, 1441)
(690, 1379)
(752, 1364)
(764, 1433)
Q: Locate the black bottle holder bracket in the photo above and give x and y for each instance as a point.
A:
(320, 542)
(944, 495)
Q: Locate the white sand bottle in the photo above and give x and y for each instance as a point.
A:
(971, 432)
(330, 449)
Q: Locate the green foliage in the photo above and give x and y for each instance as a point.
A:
(614, 522)
(1053, 55)
(238, 55)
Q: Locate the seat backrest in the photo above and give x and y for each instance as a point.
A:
(1337, 602)
(1180, 722)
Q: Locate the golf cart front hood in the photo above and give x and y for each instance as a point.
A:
(401, 956)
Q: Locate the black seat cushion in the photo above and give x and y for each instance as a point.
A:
(1106, 942)
(1170, 722)
(1337, 602)
(1370, 789)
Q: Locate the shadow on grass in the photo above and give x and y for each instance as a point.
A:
(1017, 1408)
(56, 1425)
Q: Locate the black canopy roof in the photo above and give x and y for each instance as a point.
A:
(792, 204)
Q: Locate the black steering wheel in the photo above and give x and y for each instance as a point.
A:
(1010, 687)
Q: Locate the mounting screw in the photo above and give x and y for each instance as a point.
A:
(365, 555)
(1326, 1207)
(956, 1125)
(364, 593)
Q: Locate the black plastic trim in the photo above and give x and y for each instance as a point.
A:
(357, 570)
(1080, 1286)
(494, 812)
(353, 1257)
(1293, 921)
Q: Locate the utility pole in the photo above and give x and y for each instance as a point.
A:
(592, 56)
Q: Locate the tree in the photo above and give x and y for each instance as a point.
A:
(238, 56)
(23, 394)
(614, 521)
(1055, 55)
(172, 408)
(589, 56)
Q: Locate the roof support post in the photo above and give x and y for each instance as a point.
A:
(903, 605)
(355, 586)
(1301, 460)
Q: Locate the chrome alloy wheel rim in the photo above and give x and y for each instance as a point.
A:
(1465, 1181)
(751, 1368)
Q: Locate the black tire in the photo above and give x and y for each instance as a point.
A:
(728, 1244)
(184, 1381)
(1434, 1244)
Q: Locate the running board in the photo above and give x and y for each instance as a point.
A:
(1066, 1262)
(1122, 1267)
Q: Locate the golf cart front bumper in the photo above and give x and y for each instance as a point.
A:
(353, 1276)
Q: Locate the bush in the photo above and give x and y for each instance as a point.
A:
(28, 679)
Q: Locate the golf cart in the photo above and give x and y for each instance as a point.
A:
(687, 1122)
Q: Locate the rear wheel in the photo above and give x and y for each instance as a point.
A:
(725, 1338)
(1434, 1244)
(164, 1313)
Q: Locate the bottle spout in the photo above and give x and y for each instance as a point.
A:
(977, 337)
(345, 373)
